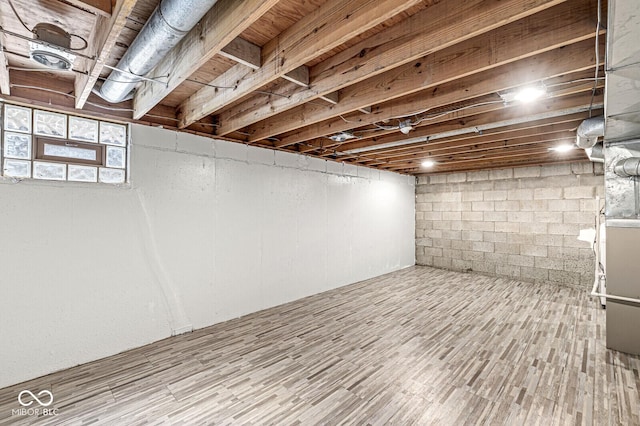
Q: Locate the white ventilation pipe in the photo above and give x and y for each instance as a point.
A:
(627, 167)
(168, 24)
(589, 131)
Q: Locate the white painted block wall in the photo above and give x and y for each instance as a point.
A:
(207, 231)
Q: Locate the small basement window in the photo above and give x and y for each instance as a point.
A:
(46, 145)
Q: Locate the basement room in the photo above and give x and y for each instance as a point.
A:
(319, 212)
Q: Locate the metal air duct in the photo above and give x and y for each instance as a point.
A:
(589, 131)
(627, 167)
(168, 24)
(596, 153)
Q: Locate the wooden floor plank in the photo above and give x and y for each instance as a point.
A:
(419, 346)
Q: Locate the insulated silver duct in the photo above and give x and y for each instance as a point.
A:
(596, 153)
(627, 167)
(168, 24)
(589, 131)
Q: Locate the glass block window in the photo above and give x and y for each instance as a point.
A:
(17, 119)
(17, 168)
(50, 124)
(17, 145)
(82, 173)
(49, 171)
(47, 145)
(82, 129)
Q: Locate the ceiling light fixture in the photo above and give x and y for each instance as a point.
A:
(562, 148)
(50, 47)
(467, 130)
(428, 163)
(525, 94)
(405, 127)
(342, 136)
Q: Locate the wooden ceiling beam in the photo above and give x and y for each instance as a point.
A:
(526, 159)
(492, 165)
(561, 25)
(435, 28)
(486, 104)
(486, 114)
(329, 26)
(488, 147)
(384, 135)
(225, 21)
(569, 59)
(539, 149)
(106, 32)
(5, 88)
(243, 52)
(99, 7)
(479, 140)
(45, 89)
(573, 103)
(482, 120)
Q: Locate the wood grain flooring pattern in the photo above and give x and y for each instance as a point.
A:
(419, 346)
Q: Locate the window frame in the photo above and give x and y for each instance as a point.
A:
(39, 141)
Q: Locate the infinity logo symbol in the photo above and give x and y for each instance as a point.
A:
(42, 392)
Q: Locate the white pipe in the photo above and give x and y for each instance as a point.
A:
(610, 296)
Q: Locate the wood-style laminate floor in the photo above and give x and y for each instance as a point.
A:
(419, 346)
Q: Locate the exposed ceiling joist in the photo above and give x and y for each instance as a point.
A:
(226, 20)
(99, 7)
(572, 58)
(380, 83)
(516, 115)
(334, 23)
(493, 150)
(486, 108)
(526, 130)
(102, 41)
(541, 148)
(4, 75)
(470, 128)
(556, 27)
(435, 28)
(492, 164)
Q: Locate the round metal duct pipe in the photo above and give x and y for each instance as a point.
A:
(596, 153)
(628, 167)
(589, 131)
(168, 24)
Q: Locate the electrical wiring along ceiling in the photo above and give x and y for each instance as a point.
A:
(501, 85)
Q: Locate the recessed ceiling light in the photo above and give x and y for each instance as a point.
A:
(562, 148)
(428, 163)
(50, 47)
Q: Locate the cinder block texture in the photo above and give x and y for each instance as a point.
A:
(520, 223)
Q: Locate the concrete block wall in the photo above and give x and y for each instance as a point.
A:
(521, 223)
